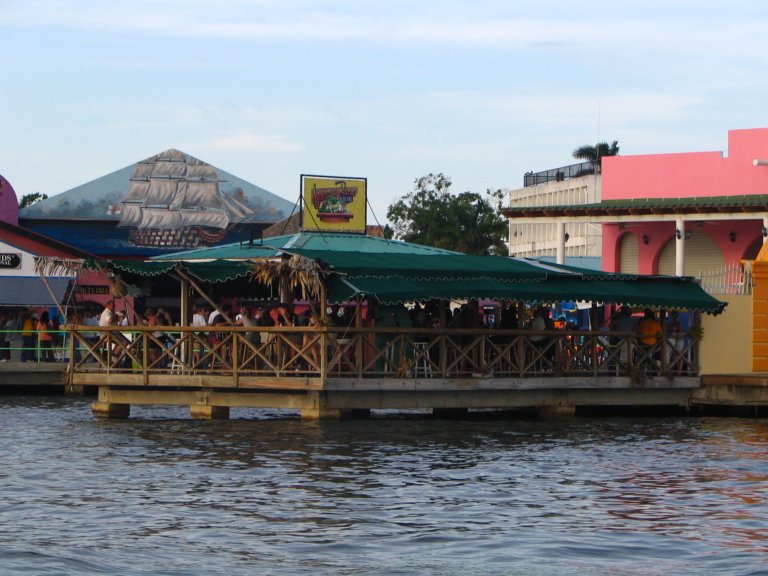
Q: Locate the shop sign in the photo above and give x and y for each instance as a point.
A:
(92, 290)
(334, 203)
(10, 260)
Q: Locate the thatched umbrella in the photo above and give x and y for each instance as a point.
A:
(296, 271)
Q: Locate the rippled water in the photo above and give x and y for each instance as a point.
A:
(265, 494)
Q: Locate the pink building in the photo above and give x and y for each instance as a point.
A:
(718, 203)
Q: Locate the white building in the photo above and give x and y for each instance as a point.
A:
(575, 184)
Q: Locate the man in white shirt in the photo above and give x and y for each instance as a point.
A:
(198, 318)
(108, 315)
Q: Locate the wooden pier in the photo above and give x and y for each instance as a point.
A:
(32, 375)
(327, 372)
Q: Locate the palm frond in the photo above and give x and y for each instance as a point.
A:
(298, 271)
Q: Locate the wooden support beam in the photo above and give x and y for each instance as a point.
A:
(317, 409)
(200, 291)
(110, 410)
(555, 412)
(209, 412)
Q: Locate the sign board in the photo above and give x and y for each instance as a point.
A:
(92, 289)
(10, 260)
(335, 204)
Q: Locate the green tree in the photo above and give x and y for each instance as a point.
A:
(595, 153)
(33, 198)
(467, 222)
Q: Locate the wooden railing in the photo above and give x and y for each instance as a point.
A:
(394, 353)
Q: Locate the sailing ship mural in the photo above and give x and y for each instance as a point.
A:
(175, 201)
(168, 202)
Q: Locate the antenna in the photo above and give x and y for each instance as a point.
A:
(598, 121)
(598, 165)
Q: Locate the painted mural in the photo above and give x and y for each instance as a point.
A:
(168, 201)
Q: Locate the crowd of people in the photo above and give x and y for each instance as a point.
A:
(41, 334)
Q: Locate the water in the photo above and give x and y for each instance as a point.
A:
(269, 494)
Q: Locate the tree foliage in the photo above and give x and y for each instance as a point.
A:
(595, 153)
(467, 222)
(33, 198)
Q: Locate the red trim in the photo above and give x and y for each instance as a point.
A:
(38, 244)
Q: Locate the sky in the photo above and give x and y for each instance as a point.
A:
(267, 90)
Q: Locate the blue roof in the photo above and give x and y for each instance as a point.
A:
(104, 238)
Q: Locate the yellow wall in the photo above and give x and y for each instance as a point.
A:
(727, 344)
(760, 312)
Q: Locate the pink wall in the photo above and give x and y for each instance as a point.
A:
(691, 174)
(748, 234)
(687, 175)
(92, 278)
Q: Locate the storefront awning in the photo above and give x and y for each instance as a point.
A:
(31, 291)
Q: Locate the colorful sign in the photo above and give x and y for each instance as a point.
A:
(334, 203)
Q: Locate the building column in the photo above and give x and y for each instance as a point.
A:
(679, 247)
(560, 234)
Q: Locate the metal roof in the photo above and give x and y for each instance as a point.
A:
(396, 271)
(334, 242)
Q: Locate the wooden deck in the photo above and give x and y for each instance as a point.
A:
(30, 375)
(327, 371)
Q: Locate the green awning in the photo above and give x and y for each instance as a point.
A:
(215, 271)
(673, 293)
(142, 268)
(396, 271)
(218, 271)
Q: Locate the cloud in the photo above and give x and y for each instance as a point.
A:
(602, 30)
(254, 142)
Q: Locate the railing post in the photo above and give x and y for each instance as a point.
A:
(324, 354)
(443, 355)
(595, 340)
(482, 363)
(144, 357)
(72, 348)
(235, 365)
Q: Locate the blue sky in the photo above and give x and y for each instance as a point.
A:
(267, 90)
